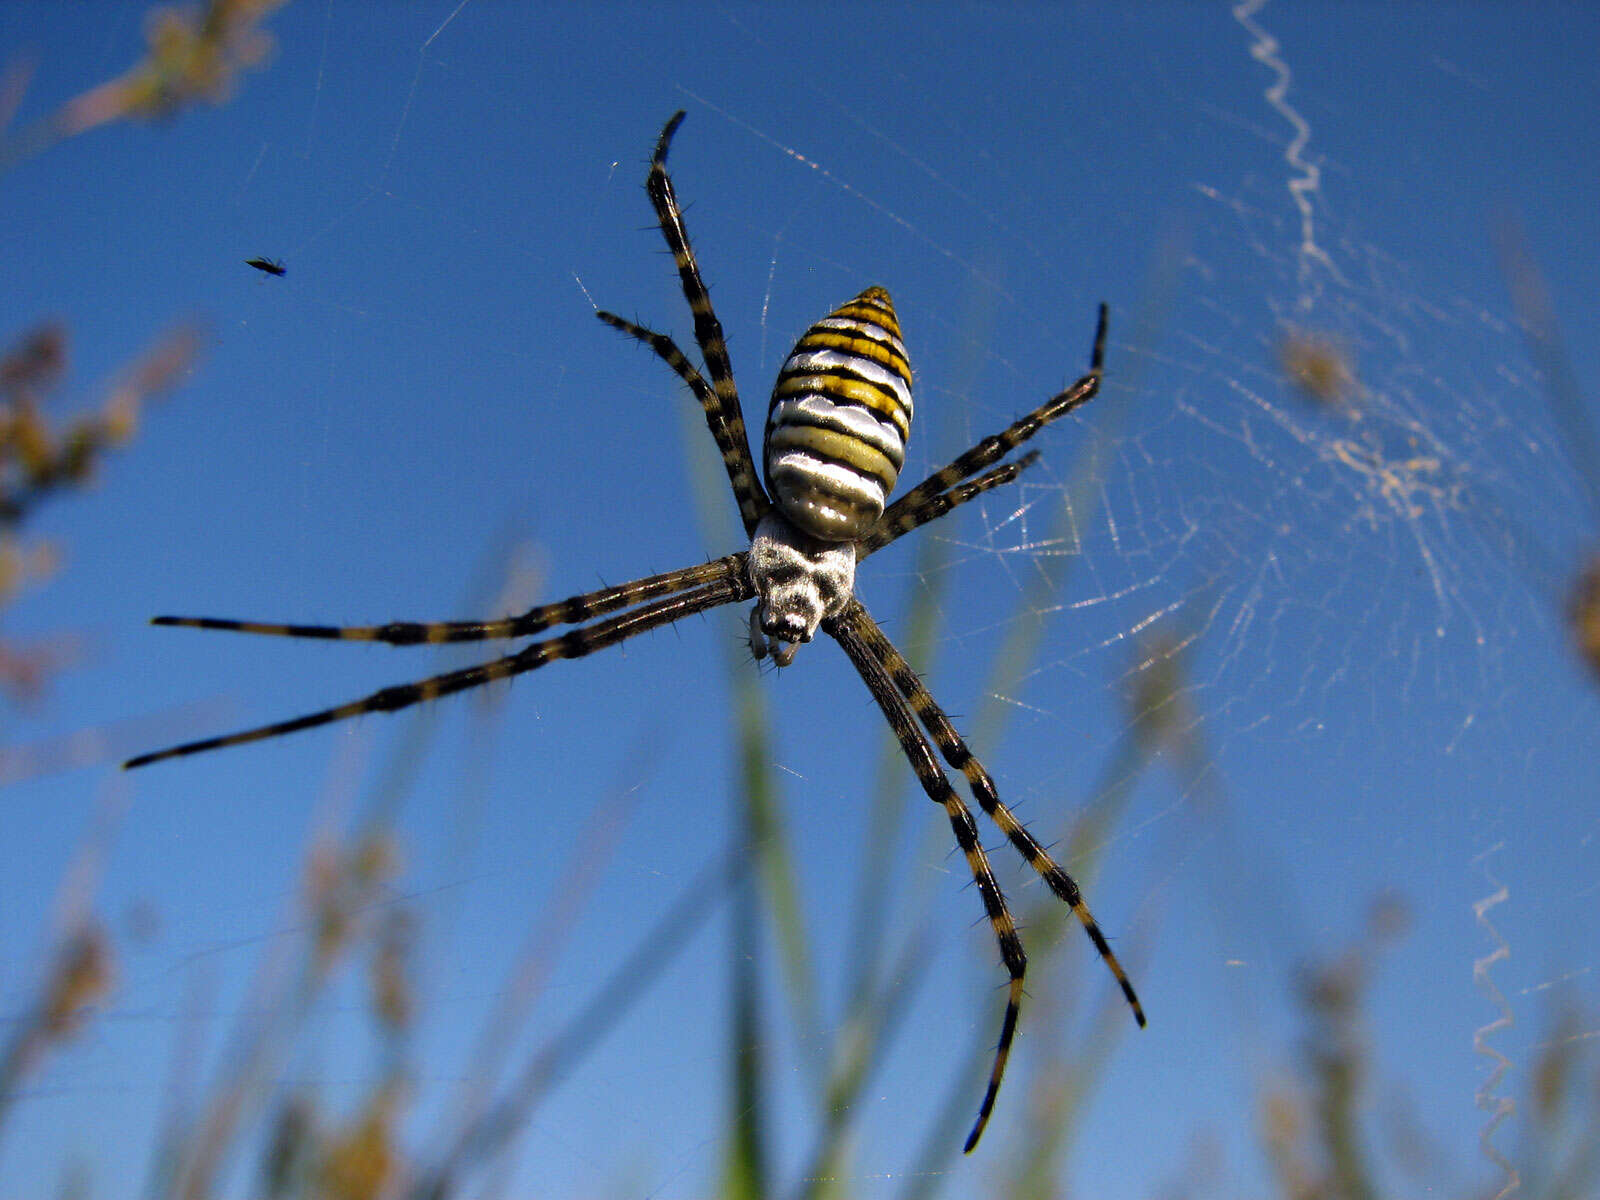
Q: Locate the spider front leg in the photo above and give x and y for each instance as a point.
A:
(733, 440)
(995, 447)
(846, 629)
(896, 524)
(735, 450)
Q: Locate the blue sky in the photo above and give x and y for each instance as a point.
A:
(1380, 680)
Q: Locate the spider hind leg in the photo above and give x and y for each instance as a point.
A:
(979, 782)
(848, 630)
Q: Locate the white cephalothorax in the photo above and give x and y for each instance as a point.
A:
(799, 581)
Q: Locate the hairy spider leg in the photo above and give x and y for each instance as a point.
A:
(996, 446)
(979, 782)
(892, 527)
(574, 610)
(577, 643)
(735, 451)
(735, 446)
(845, 629)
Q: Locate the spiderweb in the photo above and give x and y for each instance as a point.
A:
(1275, 633)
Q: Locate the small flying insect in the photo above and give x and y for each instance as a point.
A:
(272, 266)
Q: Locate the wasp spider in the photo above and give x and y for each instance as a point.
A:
(835, 442)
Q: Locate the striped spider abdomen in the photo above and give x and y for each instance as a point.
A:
(839, 419)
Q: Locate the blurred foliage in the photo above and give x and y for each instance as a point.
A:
(79, 977)
(193, 56)
(38, 460)
(1319, 366)
(1310, 1121)
(1530, 296)
(1583, 614)
(1326, 1137)
(42, 458)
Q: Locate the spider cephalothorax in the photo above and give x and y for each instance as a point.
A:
(834, 446)
(800, 581)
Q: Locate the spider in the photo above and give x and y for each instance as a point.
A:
(272, 266)
(835, 440)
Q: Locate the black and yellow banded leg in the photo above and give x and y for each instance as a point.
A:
(575, 644)
(894, 525)
(747, 490)
(573, 610)
(956, 753)
(847, 631)
(996, 446)
(707, 328)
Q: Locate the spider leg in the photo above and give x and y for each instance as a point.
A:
(940, 503)
(957, 754)
(734, 449)
(747, 489)
(996, 446)
(571, 611)
(848, 631)
(574, 644)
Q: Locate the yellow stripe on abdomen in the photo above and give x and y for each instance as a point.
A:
(839, 418)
